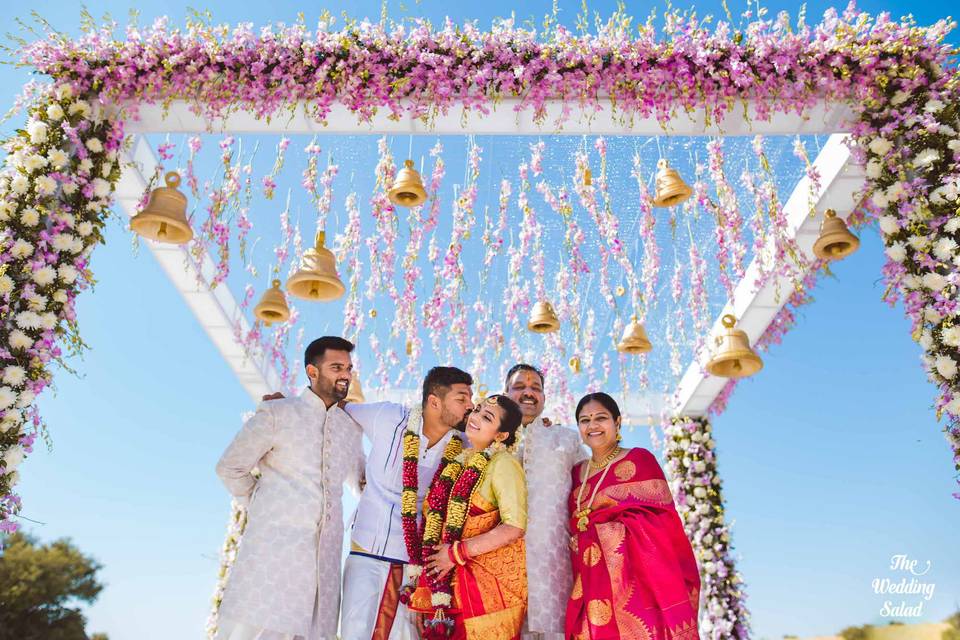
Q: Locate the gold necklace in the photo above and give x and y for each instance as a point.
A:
(607, 460)
(583, 515)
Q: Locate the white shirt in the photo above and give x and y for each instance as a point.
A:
(289, 556)
(548, 455)
(377, 527)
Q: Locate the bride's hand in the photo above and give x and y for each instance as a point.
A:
(439, 564)
(573, 543)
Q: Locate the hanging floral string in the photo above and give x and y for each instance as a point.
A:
(381, 245)
(813, 175)
(347, 251)
(493, 235)
(451, 276)
(698, 300)
(194, 144)
(269, 181)
(406, 324)
(530, 220)
(729, 222)
(650, 270)
(787, 258)
(517, 295)
(676, 330)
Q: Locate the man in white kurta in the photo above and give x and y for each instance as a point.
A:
(374, 570)
(548, 453)
(285, 582)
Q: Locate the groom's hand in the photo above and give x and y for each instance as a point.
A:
(273, 396)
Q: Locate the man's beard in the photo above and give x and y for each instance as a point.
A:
(450, 419)
(335, 392)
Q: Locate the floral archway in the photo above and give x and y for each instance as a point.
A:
(899, 81)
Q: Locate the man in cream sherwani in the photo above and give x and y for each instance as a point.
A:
(548, 453)
(285, 583)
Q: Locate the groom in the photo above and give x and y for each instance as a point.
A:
(548, 454)
(373, 573)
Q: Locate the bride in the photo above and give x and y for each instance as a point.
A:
(474, 583)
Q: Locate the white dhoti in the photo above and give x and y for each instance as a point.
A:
(371, 607)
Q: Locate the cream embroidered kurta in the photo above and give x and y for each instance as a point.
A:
(289, 556)
(548, 455)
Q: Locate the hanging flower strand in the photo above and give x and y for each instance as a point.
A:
(650, 271)
(406, 319)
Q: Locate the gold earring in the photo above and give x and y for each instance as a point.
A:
(619, 437)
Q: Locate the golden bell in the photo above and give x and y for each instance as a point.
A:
(407, 189)
(317, 278)
(165, 217)
(272, 306)
(835, 241)
(671, 189)
(735, 358)
(355, 392)
(634, 339)
(543, 319)
(575, 364)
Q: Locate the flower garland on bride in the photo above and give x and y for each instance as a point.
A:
(446, 508)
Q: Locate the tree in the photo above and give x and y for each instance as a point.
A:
(38, 585)
(856, 633)
(953, 632)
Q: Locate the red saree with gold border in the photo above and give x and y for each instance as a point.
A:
(635, 575)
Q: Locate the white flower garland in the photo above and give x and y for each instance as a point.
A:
(692, 469)
(55, 192)
(914, 185)
(228, 554)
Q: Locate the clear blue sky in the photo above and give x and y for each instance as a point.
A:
(831, 457)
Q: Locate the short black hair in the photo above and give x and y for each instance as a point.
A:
(320, 346)
(439, 380)
(510, 417)
(608, 403)
(523, 367)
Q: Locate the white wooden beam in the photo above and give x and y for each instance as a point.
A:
(504, 119)
(216, 310)
(840, 179)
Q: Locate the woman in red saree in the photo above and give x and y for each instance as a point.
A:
(635, 575)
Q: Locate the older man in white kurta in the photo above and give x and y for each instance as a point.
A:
(285, 582)
(548, 454)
